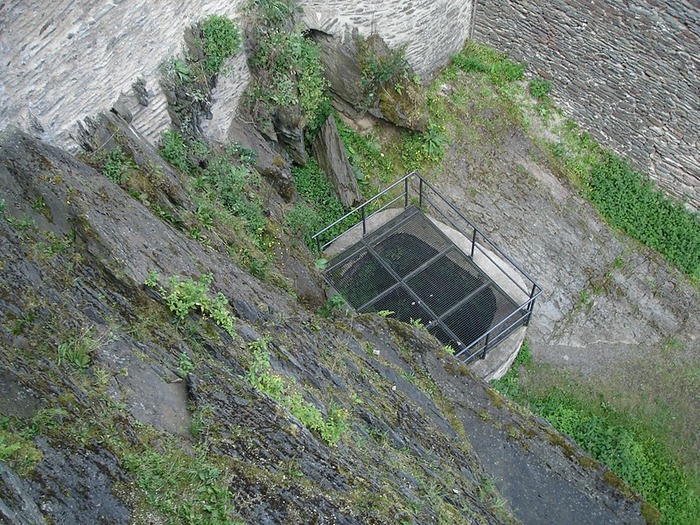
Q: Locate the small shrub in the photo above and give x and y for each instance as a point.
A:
(117, 165)
(287, 65)
(226, 179)
(321, 205)
(381, 70)
(274, 12)
(221, 39)
(187, 296)
(77, 351)
(366, 155)
(333, 304)
(421, 150)
(16, 447)
(174, 149)
(185, 488)
(304, 221)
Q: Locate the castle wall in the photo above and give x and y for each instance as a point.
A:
(627, 70)
(65, 60)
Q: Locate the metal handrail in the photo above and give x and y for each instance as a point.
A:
(524, 310)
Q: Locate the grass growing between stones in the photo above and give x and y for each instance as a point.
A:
(227, 192)
(185, 488)
(618, 438)
(260, 375)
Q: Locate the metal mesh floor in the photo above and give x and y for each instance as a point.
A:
(410, 267)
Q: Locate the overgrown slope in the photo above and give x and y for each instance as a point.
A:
(223, 399)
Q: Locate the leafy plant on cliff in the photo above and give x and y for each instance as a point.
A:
(381, 71)
(221, 39)
(188, 489)
(16, 447)
(188, 80)
(77, 351)
(261, 376)
(286, 65)
(186, 296)
(321, 204)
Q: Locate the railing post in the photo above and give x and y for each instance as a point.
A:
(473, 243)
(364, 224)
(531, 305)
(405, 192)
(318, 245)
(486, 346)
(420, 192)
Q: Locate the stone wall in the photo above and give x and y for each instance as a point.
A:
(628, 70)
(66, 60)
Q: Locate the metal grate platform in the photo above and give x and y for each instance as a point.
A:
(409, 266)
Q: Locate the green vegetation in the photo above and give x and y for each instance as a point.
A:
(221, 39)
(381, 70)
(421, 150)
(16, 447)
(366, 154)
(539, 89)
(334, 304)
(287, 66)
(261, 377)
(321, 205)
(177, 151)
(116, 166)
(630, 202)
(228, 198)
(77, 350)
(187, 489)
(186, 296)
(189, 80)
(484, 59)
(616, 438)
(235, 188)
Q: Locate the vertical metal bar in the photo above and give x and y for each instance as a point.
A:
(473, 243)
(318, 245)
(529, 314)
(531, 305)
(420, 192)
(405, 193)
(486, 347)
(364, 224)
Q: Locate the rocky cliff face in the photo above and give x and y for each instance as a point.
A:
(627, 70)
(117, 410)
(68, 60)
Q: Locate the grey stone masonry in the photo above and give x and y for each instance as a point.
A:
(65, 60)
(628, 70)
